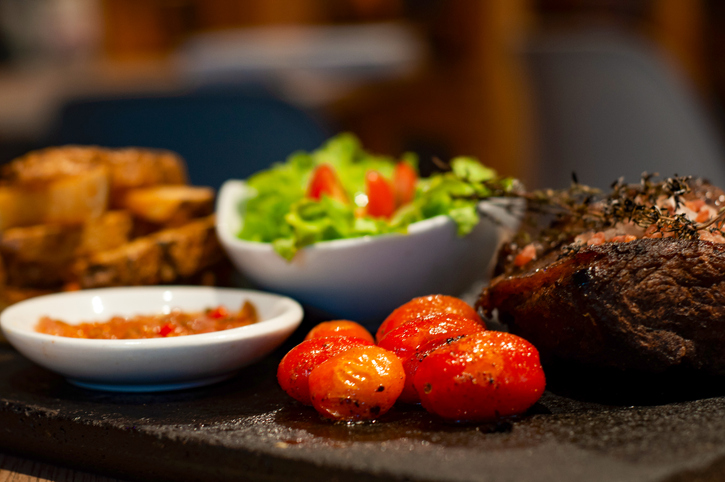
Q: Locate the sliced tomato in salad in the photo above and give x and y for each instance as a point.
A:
(381, 199)
(404, 180)
(325, 181)
(384, 196)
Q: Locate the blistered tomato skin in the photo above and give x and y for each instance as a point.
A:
(340, 328)
(362, 383)
(412, 341)
(424, 306)
(294, 370)
(481, 377)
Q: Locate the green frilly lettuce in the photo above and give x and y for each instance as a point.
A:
(280, 214)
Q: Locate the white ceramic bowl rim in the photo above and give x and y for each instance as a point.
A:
(365, 278)
(264, 326)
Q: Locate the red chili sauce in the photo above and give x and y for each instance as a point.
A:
(176, 323)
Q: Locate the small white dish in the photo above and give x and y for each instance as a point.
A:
(153, 364)
(364, 279)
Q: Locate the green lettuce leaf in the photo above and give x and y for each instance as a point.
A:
(280, 214)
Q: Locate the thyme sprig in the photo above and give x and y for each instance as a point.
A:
(557, 216)
(643, 205)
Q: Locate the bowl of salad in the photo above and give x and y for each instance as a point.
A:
(354, 235)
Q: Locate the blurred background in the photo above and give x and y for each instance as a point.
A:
(537, 89)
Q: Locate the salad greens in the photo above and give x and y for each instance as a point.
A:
(279, 212)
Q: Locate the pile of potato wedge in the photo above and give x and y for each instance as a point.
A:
(78, 217)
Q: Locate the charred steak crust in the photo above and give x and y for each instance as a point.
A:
(647, 305)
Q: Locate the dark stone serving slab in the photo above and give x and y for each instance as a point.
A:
(588, 426)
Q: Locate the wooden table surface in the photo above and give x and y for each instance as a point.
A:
(16, 469)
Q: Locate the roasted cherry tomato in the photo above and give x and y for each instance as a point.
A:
(340, 328)
(423, 306)
(412, 341)
(404, 180)
(480, 377)
(325, 181)
(381, 200)
(361, 383)
(294, 369)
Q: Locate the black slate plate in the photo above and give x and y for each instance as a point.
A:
(586, 427)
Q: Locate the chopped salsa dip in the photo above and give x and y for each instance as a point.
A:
(176, 323)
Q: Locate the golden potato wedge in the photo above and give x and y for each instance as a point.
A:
(111, 230)
(78, 198)
(170, 205)
(134, 263)
(20, 207)
(47, 165)
(57, 242)
(133, 168)
(188, 249)
(42, 255)
(67, 198)
(162, 257)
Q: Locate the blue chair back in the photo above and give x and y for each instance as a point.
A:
(610, 105)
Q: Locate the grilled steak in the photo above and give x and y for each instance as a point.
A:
(649, 302)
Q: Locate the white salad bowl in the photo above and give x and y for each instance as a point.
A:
(152, 364)
(364, 279)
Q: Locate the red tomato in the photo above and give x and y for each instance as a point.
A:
(404, 180)
(381, 200)
(480, 377)
(166, 330)
(325, 181)
(412, 341)
(294, 370)
(340, 328)
(218, 312)
(362, 383)
(423, 306)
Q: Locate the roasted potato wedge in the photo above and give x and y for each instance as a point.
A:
(170, 205)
